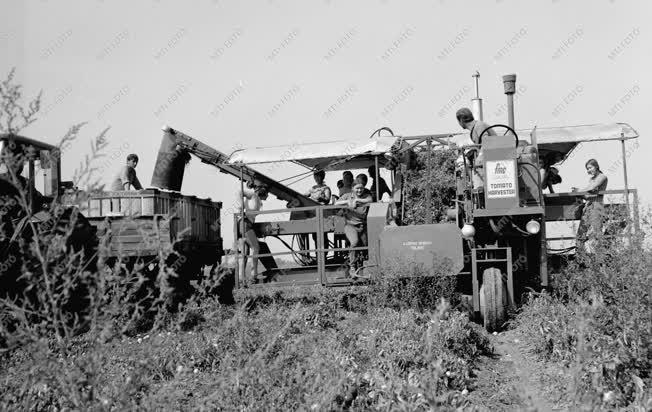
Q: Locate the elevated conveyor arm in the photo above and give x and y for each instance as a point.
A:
(174, 154)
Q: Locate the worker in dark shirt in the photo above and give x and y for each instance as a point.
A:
(382, 188)
(549, 175)
(340, 185)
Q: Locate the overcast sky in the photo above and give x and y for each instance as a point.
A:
(248, 73)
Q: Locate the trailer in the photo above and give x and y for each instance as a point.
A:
(149, 227)
(154, 228)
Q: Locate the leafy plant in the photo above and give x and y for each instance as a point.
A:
(440, 181)
(597, 322)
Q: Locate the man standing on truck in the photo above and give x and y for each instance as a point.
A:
(127, 178)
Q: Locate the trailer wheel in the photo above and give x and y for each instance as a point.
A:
(493, 298)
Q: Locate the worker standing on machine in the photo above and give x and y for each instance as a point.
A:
(347, 183)
(126, 178)
(362, 179)
(356, 218)
(252, 199)
(476, 128)
(340, 185)
(382, 188)
(592, 213)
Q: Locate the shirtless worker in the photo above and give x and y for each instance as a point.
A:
(356, 219)
(475, 127)
(252, 201)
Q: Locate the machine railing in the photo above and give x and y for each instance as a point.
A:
(563, 208)
(310, 215)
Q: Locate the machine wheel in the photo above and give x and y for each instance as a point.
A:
(493, 299)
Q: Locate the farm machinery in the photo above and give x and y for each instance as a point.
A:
(26, 164)
(495, 240)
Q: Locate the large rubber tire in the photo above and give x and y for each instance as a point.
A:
(493, 299)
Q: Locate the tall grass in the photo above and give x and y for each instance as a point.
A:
(598, 322)
(283, 350)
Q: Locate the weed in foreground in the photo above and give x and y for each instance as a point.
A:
(597, 323)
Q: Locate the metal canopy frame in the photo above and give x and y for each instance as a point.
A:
(445, 140)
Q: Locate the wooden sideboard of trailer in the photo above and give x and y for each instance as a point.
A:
(148, 224)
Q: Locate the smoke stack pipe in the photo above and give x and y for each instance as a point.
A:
(509, 81)
(476, 103)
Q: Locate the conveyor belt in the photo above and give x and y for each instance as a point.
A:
(218, 159)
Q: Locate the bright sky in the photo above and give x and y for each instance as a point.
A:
(244, 73)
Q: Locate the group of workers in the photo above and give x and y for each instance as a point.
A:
(353, 194)
(322, 194)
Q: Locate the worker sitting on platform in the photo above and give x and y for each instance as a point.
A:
(320, 192)
(356, 219)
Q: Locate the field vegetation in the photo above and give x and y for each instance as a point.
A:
(86, 332)
(597, 325)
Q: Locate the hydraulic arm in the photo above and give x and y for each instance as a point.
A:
(174, 154)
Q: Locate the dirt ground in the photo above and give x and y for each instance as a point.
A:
(513, 380)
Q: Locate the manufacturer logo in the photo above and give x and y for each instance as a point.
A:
(501, 179)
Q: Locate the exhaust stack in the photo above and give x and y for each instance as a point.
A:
(509, 82)
(476, 103)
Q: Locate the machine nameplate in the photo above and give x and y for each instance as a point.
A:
(501, 179)
(437, 248)
(417, 245)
